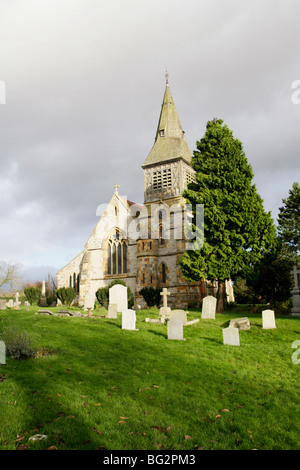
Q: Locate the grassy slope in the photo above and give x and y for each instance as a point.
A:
(173, 394)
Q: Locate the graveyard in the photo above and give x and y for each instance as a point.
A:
(146, 381)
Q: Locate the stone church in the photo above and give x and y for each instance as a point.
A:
(142, 245)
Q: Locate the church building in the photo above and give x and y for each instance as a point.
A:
(142, 245)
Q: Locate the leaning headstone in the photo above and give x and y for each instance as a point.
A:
(240, 323)
(192, 322)
(2, 304)
(112, 311)
(2, 353)
(118, 296)
(231, 336)
(175, 329)
(179, 315)
(268, 319)
(295, 311)
(165, 310)
(209, 305)
(128, 320)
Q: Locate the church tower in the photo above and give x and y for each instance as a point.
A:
(167, 168)
(167, 171)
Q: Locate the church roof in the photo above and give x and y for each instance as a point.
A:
(170, 142)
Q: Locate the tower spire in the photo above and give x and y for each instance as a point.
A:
(167, 77)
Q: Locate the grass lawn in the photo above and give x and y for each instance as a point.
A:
(96, 386)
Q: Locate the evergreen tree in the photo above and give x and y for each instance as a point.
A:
(237, 230)
(289, 220)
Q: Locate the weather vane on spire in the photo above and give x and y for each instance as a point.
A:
(167, 77)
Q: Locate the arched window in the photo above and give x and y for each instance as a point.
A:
(117, 254)
(163, 273)
(161, 235)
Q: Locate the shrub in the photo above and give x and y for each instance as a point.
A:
(151, 296)
(33, 295)
(102, 296)
(102, 293)
(66, 295)
(18, 342)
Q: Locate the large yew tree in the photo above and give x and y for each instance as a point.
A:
(289, 220)
(237, 230)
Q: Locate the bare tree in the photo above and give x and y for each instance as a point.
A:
(9, 275)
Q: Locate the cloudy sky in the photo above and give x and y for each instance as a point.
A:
(84, 82)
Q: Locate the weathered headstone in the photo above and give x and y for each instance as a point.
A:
(112, 311)
(209, 305)
(240, 323)
(128, 320)
(16, 303)
(2, 353)
(231, 336)
(10, 303)
(2, 304)
(295, 311)
(26, 303)
(268, 319)
(165, 310)
(118, 296)
(175, 329)
(178, 315)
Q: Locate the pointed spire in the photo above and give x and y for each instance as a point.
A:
(170, 140)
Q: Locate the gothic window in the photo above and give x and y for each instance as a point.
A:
(117, 254)
(163, 273)
(161, 235)
(190, 177)
(162, 178)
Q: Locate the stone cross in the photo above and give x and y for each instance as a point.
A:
(296, 273)
(165, 294)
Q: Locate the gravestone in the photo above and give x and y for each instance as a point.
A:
(240, 323)
(209, 305)
(268, 319)
(295, 311)
(178, 315)
(231, 336)
(10, 303)
(128, 320)
(165, 310)
(26, 303)
(17, 303)
(118, 296)
(2, 304)
(175, 329)
(112, 311)
(2, 353)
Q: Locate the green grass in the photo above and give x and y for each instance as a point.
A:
(101, 387)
